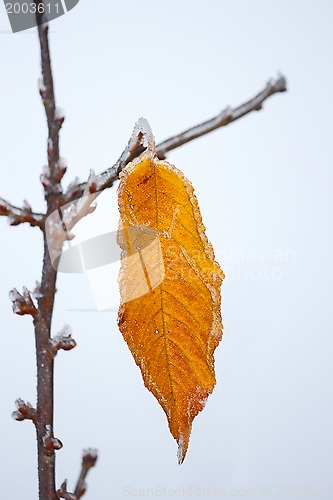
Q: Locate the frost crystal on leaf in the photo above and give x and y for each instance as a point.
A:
(142, 128)
(178, 365)
(180, 451)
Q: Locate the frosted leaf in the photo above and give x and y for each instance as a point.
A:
(184, 375)
(202, 397)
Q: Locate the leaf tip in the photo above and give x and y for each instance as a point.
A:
(182, 449)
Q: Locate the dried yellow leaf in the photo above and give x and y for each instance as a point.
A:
(170, 290)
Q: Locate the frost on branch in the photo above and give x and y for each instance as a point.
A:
(59, 114)
(142, 138)
(16, 215)
(142, 134)
(92, 182)
(37, 292)
(41, 86)
(51, 179)
(73, 212)
(24, 411)
(45, 177)
(22, 304)
(59, 170)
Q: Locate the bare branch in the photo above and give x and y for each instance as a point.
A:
(229, 115)
(88, 461)
(18, 215)
(142, 138)
(25, 411)
(52, 175)
(47, 444)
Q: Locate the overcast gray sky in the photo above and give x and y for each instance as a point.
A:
(264, 186)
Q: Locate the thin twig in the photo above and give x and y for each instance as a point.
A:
(18, 215)
(229, 115)
(51, 178)
(89, 459)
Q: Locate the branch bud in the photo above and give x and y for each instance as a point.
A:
(63, 493)
(22, 304)
(63, 340)
(89, 458)
(49, 441)
(25, 411)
